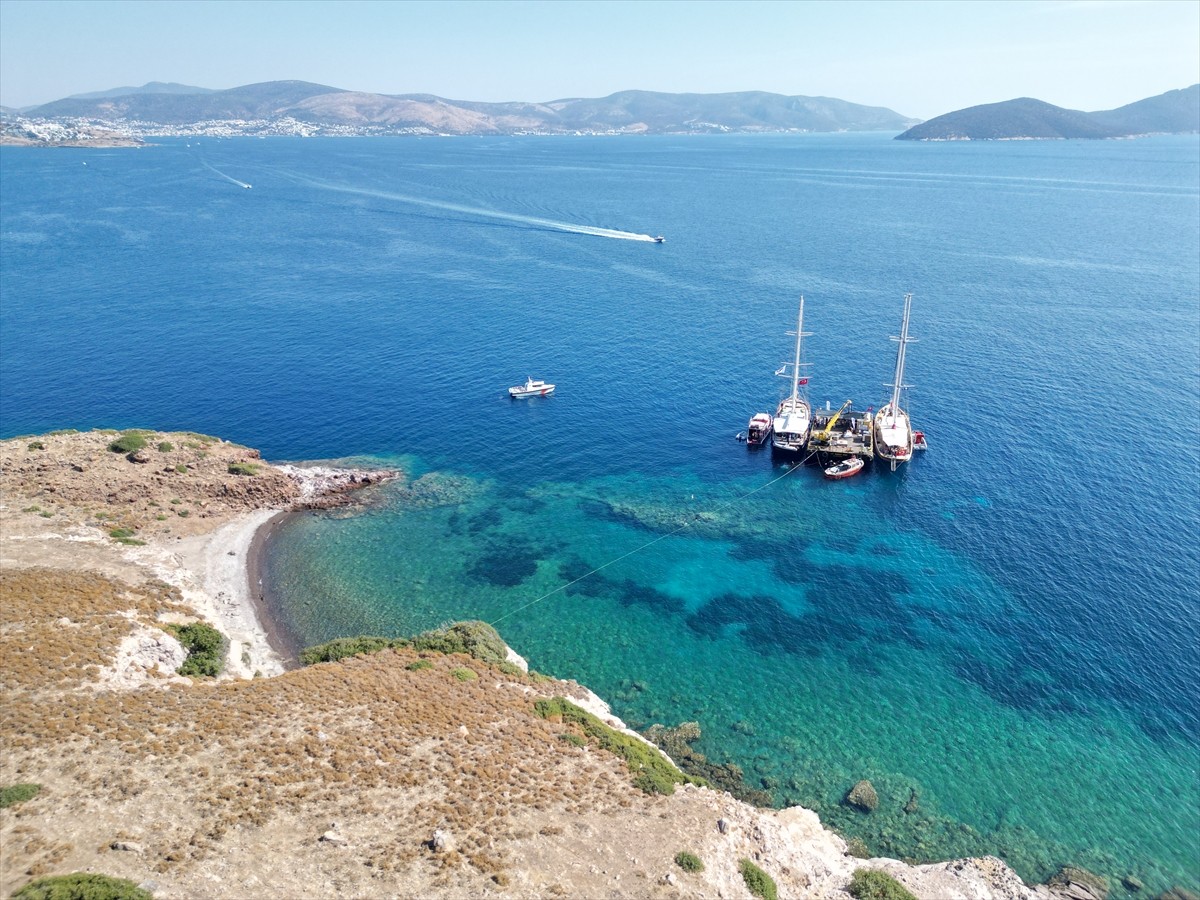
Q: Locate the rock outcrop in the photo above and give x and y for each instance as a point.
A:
(863, 796)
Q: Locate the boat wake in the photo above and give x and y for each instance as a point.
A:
(223, 175)
(532, 221)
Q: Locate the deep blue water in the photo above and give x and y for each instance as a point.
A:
(1007, 625)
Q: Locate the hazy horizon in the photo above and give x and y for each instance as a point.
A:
(919, 59)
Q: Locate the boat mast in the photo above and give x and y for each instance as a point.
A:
(800, 333)
(903, 341)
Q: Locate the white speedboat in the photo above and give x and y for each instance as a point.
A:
(845, 468)
(531, 388)
(793, 419)
(893, 430)
(660, 239)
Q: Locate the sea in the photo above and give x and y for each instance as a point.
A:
(1001, 635)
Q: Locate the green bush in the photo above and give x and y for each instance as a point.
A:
(872, 884)
(36, 445)
(857, 847)
(758, 882)
(243, 468)
(165, 447)
(129, 442)
(82, 886)
(689, 862)
(652, 772)
(477, 639)
(17, 793)
(340, 648)
(569, 737)
(205, 646)
(202, 438)
(125, 536)
(418, 665)
(464, 674)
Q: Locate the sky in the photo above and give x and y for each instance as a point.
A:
(920, 59)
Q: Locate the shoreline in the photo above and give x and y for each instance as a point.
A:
(213, 559)
(259, 594)
(211, 572)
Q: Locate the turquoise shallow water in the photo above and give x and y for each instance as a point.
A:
(843, 661)
(1008, 625)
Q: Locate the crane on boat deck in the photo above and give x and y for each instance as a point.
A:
(822, 437)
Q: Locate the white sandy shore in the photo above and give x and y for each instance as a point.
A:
(212, 572)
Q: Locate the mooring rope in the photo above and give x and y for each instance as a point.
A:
(648, 544)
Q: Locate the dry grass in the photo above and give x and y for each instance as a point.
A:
(367, 740)
(58, 628)
(179, 478)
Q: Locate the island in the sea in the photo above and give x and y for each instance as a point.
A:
(153, 736)
(1175, 112)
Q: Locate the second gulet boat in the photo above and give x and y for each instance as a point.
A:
(793, 419)
(893, 430)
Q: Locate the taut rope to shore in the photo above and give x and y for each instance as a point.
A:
(649, 544)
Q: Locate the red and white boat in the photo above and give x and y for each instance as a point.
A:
(758, 432)
(847, 467)
(919, 441)
(531, 388)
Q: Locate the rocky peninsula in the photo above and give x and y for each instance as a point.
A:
(412, 771)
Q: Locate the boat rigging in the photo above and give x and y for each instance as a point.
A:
(893, 430)
(793, 418)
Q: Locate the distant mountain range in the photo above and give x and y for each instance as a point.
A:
(303, 108)
(153, 87)
(628, 112)
(1175, 112)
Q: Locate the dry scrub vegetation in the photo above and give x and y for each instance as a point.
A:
(391, 751)
(58, 629)
(167, 485)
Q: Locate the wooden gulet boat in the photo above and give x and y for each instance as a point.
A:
(893, 430)
(793, 418)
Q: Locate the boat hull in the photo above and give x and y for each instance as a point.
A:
(532, 387)
(524, 394)
(847, 469)
(792, 426)
(893, 435)
(759, 431)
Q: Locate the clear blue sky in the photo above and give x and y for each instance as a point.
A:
(917, 58)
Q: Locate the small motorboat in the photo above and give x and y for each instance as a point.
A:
(919, 441)
(531, 388)
(845, 468)
(660, 239)
(758, 432)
